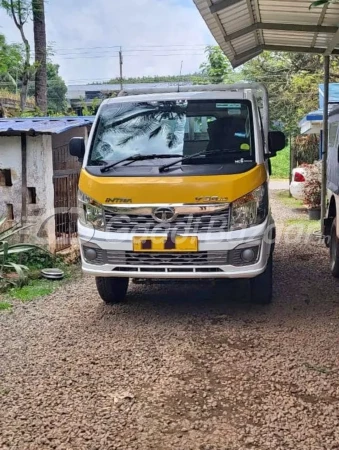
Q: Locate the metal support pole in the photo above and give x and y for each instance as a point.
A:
(325, 142)
(291, 163)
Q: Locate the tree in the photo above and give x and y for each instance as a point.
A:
(10, 62)
(172, 79)
(292, 80)
(40, 45)
(56, 90)
(217, 68)
(20, 10)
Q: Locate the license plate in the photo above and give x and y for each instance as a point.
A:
(165, 244)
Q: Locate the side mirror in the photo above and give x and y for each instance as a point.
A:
(276, 142)
(77, 147)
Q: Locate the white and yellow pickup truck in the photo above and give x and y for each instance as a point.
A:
(175, 185)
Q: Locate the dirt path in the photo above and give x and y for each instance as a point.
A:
(179, 366)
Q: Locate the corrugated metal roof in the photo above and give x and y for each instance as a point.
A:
(244, 28)
(42, 125)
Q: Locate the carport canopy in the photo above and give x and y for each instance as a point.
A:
(245, 28)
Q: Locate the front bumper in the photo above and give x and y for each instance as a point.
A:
(212, 247)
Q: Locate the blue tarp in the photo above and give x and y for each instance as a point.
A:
(333, 94)
(42, 125)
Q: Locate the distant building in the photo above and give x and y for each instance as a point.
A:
(84, 94)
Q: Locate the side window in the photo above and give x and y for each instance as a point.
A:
(196, 128)
(332, 134)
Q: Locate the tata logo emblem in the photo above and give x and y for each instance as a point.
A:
(119, 200)
(164, 215)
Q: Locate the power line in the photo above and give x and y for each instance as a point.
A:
(132, 47)
(140, 53)
(107, 52)
(130, 56)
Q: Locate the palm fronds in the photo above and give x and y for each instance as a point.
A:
(320, 3)
(131, 121)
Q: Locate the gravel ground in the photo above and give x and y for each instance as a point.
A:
(179, 366)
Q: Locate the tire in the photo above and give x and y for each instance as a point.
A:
(112, 290)
(334, 250)
(273, 236)
(262, 286)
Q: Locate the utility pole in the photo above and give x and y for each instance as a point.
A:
(182, 62)
(121, 62)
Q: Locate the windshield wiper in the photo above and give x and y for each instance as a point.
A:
(99, 162)
(185, 158)
(110, 166)
(138, 157)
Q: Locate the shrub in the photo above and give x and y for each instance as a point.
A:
(7, 250)
(312, 186)
(306, 148)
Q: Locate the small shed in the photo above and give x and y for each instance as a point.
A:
(39, 178)
(312, 123)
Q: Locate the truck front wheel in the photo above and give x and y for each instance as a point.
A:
(334, 250)
(112, 290)
(262, 285)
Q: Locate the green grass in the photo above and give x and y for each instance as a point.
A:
(309, 226)
(285, 198)
(38, 288)
(5, 306)
(35, 289)
(281, 164)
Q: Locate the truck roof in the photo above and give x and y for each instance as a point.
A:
(177, 96)
(204, 92)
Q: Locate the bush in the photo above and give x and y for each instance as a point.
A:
(312, 186)
(12, 272)
(306, 148)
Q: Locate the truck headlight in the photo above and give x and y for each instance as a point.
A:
(250, 210)
(90, 212)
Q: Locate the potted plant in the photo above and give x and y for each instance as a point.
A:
(312, 190)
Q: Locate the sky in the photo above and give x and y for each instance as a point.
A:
(155, 36)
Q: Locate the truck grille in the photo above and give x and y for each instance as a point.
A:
(176, 259)
(121, 258)
(189, 223)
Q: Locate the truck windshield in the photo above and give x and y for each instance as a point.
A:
(175, 128)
